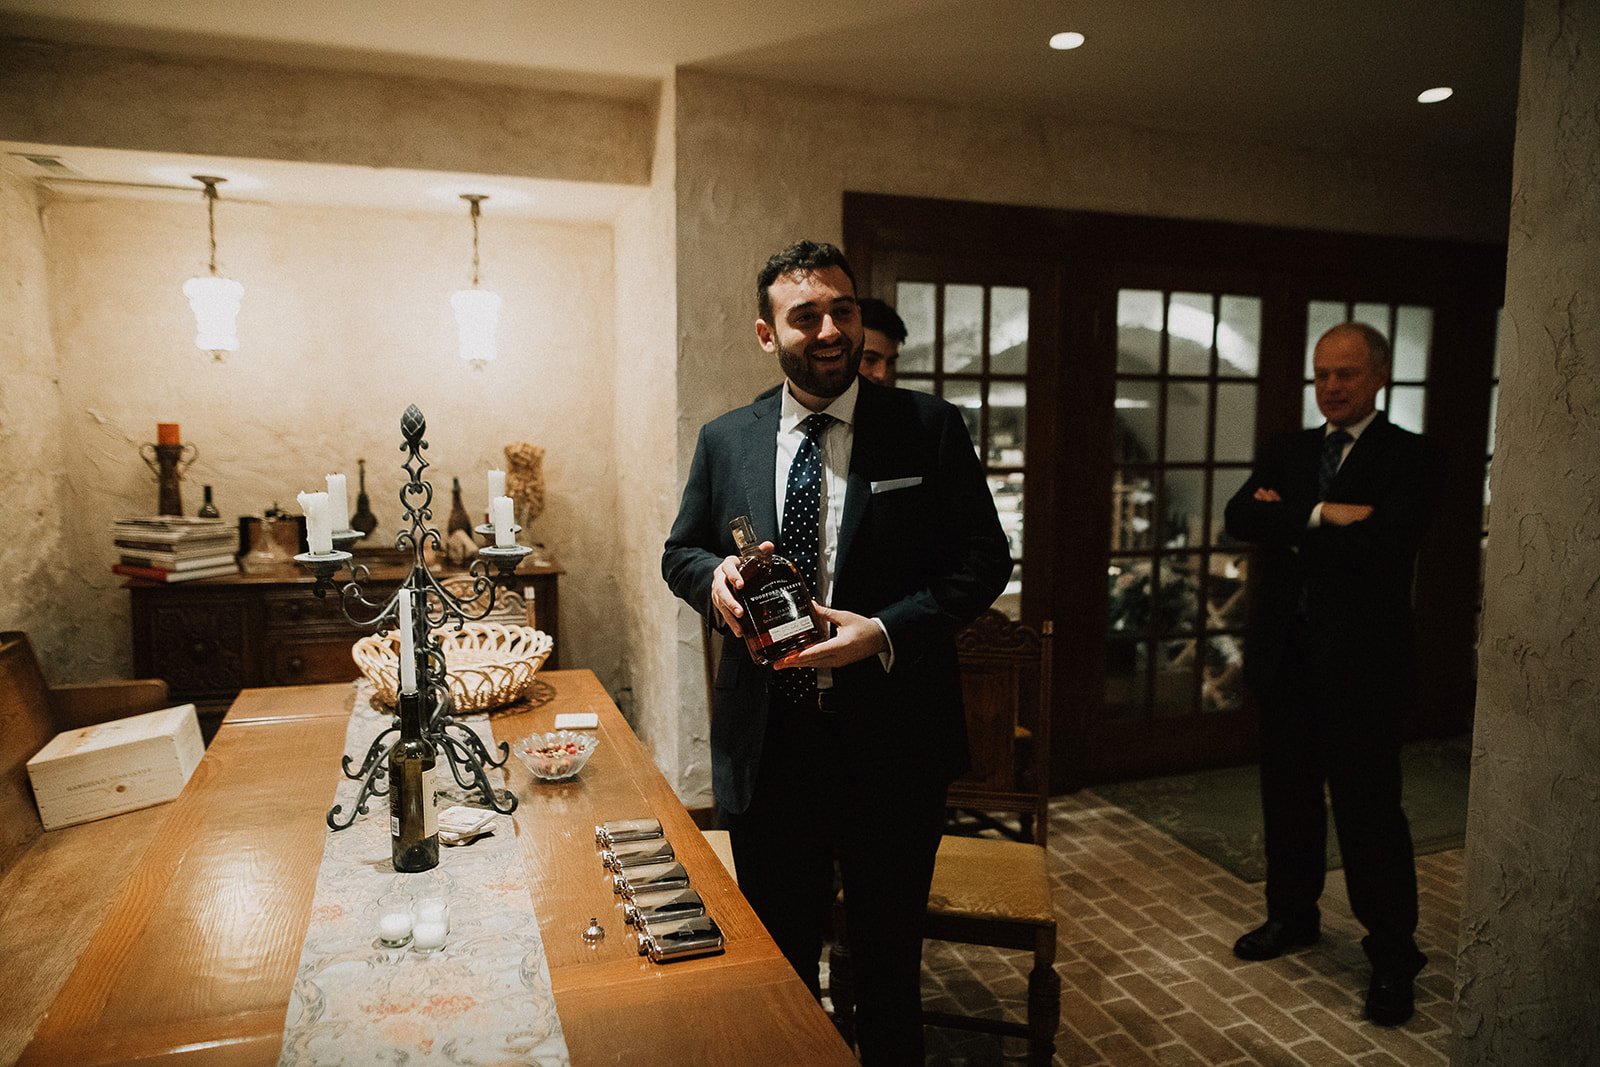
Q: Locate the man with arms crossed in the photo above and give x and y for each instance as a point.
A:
(1337, 513)
(847, 751)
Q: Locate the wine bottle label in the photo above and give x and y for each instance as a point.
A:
(394, 826)
(430, 802)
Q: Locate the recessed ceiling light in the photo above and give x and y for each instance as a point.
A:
(1063, 42)
(1433, 96)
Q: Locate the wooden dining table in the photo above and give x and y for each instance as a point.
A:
(192, 955)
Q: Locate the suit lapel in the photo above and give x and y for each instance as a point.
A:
(858, 484)
(760, 466)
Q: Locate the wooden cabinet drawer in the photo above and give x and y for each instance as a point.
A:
(311, 660)
(199, 645)
(298, 611)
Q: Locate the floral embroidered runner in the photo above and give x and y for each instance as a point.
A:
(484, 998)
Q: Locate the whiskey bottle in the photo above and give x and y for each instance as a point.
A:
(458, 513)
(776, 600)
(413, 811)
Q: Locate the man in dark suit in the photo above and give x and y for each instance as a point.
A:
(1336, 513)
(846, 752)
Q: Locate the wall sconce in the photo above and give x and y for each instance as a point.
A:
(477, 310)
(213, 298)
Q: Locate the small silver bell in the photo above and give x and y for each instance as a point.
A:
(595, 933)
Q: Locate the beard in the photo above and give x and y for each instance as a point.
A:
(826, 380)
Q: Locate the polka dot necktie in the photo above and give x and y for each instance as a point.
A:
(802, 518)
(1332, 453)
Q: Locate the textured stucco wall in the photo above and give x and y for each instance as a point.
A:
(33, 554)
(121, 98)
(346, 321)
(1530, 946)
(647, 474)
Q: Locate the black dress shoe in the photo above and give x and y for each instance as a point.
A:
(1391, 996)
(1273, 938)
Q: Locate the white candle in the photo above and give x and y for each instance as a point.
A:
(319, 531)
(497, 484)
(408, 650)
(433, 910)
(500, 513)
(394, 928)
(338, 503)
(427, 936)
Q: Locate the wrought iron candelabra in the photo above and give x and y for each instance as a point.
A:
(432, 607)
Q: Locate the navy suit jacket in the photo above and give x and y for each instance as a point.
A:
(925, 559)
(1352, 582)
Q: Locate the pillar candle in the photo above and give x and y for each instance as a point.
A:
(319, 529)
(497, 484)
(408, 648)
(167, 434)
(500, 514)
(338, 502)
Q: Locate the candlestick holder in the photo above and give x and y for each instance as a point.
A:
(432, 607)
(168, 462)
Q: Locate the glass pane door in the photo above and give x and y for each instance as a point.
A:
(969, 344)
(1187, 373)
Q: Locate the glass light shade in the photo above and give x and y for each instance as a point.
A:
(215, 303)
(477, 319)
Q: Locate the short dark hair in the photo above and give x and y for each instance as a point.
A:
(876, 315)
(802, 257)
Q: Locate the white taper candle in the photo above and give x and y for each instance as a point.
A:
(497, 484)
(338, 502)
(319, 529)
(408, 648)
(500, 513)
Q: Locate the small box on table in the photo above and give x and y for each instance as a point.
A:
(96, 771)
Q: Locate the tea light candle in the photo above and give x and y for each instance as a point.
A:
(427, 936)
(167, 434)
(394, 928)
(338, 503)
(408, 649)
(319, 530)
(500, 513)
(434, 910)
(497, 484)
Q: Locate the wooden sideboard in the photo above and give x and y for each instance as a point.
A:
(212, 637)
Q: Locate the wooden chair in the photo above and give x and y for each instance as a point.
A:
(31, 713)
(993, 890)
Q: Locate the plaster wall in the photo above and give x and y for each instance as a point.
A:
(1530, 943)
(32, 478)
(345, 322)
(647, 477)
(78, 95)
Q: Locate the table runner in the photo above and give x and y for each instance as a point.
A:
(484, 998)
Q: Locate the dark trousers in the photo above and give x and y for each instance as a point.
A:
(1334, 718)
(821, 797)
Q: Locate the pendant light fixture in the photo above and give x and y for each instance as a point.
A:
(213, 298)
(477, 310)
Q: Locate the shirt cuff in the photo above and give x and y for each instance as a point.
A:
(1315, 518)
(885, 658)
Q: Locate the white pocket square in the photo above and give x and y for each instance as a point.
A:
(895, 483)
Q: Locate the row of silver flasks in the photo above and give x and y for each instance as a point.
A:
(668, 916)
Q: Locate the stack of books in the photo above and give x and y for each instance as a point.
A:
(173, 548)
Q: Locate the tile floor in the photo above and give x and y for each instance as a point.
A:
(1146, 929)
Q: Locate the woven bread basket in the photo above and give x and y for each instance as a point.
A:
(487, 664)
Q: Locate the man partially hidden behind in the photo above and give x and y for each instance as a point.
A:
(882, 332)
(846, 752)
(1337, 513)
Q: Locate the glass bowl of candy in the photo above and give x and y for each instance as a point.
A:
(556, 756)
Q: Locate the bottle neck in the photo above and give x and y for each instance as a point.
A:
(411, 712)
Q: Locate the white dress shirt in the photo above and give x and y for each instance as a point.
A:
(836, 442)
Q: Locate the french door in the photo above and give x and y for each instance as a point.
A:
(1157, 357)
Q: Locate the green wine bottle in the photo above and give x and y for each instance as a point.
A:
(413, 812)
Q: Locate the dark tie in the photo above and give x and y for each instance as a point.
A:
(1332, 452)
(797, 542)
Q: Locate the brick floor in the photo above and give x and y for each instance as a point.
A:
(1144, 952)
